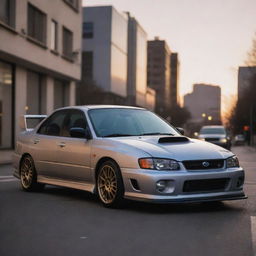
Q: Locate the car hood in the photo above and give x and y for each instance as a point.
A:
(202, 136)
(191, 150)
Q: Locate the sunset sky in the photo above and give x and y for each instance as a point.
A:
(212, 37)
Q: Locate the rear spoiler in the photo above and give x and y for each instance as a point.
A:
(29, 122)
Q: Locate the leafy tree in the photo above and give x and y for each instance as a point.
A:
(177, 115)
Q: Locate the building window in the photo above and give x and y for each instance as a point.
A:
(54, 35)
(6, 106)
(72, 3)
(35, 87)
(87, 30)
(36, 24)
(67, 43)
(7, 12)
(87, 65)
(61, 94)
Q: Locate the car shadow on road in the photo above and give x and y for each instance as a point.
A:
(69, 194)
(184, 207)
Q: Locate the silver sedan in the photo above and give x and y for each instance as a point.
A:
(122, 152)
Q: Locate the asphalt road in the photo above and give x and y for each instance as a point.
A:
(62, 221)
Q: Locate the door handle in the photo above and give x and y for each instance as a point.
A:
(62, 144)
(36, 141)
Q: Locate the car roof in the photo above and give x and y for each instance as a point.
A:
(87, 107)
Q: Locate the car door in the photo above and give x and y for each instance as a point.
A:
(74, 153)
(45, 145)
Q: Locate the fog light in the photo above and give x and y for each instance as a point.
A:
(161, 185)
(240, 182)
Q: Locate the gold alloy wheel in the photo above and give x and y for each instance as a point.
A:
(26, 173)
(107, 184)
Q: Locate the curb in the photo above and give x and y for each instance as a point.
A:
(7, 162)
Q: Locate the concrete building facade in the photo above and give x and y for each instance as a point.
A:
(204, 104)
(174, 83)
(245, 74)
(114, 69)
(158, 73)
(39, 59)
(104, 56)
(137, 64)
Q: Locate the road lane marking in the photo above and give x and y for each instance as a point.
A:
(253, 230)
(7, 178)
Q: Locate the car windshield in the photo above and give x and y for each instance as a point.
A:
(217, 130)
(128, 122)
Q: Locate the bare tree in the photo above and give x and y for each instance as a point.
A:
(251, 58)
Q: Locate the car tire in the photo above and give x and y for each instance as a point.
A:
(28, 175)
(109, 185)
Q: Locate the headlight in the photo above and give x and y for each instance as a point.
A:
(223, 140)
(158, 164)
(232, 162)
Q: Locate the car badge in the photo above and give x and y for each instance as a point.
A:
(205, 164)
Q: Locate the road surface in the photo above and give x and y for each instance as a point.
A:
(61, 221)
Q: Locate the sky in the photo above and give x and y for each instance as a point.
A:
(212, 37)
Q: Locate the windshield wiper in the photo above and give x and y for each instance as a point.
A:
(117, 135)
(157, 133)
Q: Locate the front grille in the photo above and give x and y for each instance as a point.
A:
(211, 139)
(203, 164)
(205, 185)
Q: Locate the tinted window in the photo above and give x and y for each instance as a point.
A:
(67, 43)
(217, 130)
(7, 12)
(75, 118)
(36, 24)
(87, 30)
(129, 122)
(54, 124)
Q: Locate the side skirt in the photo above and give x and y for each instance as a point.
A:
(66, 183)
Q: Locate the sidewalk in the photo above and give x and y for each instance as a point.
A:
(6, 156)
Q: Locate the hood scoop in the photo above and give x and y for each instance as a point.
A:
(173, 139)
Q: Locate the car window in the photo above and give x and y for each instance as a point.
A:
(206, 130)
(75, 118)
(54, 124)
(129, 122)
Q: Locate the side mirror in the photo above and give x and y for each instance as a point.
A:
(78, 132)
(180, 130)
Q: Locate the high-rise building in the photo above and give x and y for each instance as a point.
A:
(39, 59)
(137, 63)
(245, 74)
(204, 104)
(158, 73)
(104, 56)
(174, 84)
(114, 69)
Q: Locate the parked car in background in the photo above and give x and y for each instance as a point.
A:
(216, 134)
(239, 139)
(119, 152)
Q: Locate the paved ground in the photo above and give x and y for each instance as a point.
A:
(64, 222)
(6, 156)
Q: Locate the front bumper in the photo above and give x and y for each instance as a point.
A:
(141, 185)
